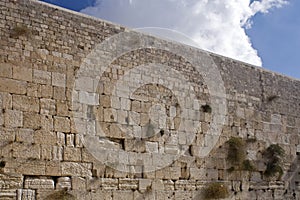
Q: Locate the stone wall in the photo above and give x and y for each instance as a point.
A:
(93, 110)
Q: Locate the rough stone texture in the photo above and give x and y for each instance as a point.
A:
(49, 104)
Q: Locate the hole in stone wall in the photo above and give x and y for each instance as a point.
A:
(80, 47)
(121, 142)
(206, 108)
(2, 164)
(190, 151)
(272, 98)
(162, 132)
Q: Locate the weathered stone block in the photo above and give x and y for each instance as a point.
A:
(110, 115)
(27, 151)
(175, 173)
(162, 195)
(10, 182)
(122, 195)
(5, 70)
(8, 194)
(78, 183)
(59, 93)
(22, 73)
(5, 100)
(26, 194)
(64, 183)
(62, 124)
(101, 194)
(103, 183)
(62, 108)
(198, 174)
(45, 137)
(46, 91)
(48, 106)
(53, 168)
(32, 120)
(144, 184)
(184, 195)
(128, 184)
(24, 103)
(61, 138)
(58, 79)
(84, 84)
(157, 185)
(13, 118)
(42, 77)
(25, 136)
(57, 153)
(76, 169)
(46, 152)
(72, 154)
(47, 123)
(105, 101)
(116, 132)
(125, 104)
(152, 147)
(31, 167)
(70, 140)
(39, 183)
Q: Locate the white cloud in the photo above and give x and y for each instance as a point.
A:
(215, 25)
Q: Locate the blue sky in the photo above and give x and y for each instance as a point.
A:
(276, 36)
(274, 33)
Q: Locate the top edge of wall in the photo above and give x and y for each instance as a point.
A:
(243, 64)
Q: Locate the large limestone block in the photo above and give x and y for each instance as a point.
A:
(22, 73)
(13, 118)
(27, 151)
(62, 124)
(25, 136)
(72, 154)
(48, 106)
(5, 70)
(76, 169)
(32, 120)
(42, 77)
(39, 183)
(122, 195)
(58, 79)
(24, 103)
(10, 181)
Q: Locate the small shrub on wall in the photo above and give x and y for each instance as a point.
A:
(236, 150)
(274, 156)
(19, 31)
(215, 191)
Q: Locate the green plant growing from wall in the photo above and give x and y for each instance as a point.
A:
(215, 191)
(61, 195)
(247, 165)
(274, 155)
(236, 150)
(19, 31)
(236, 155)
(206, 108)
